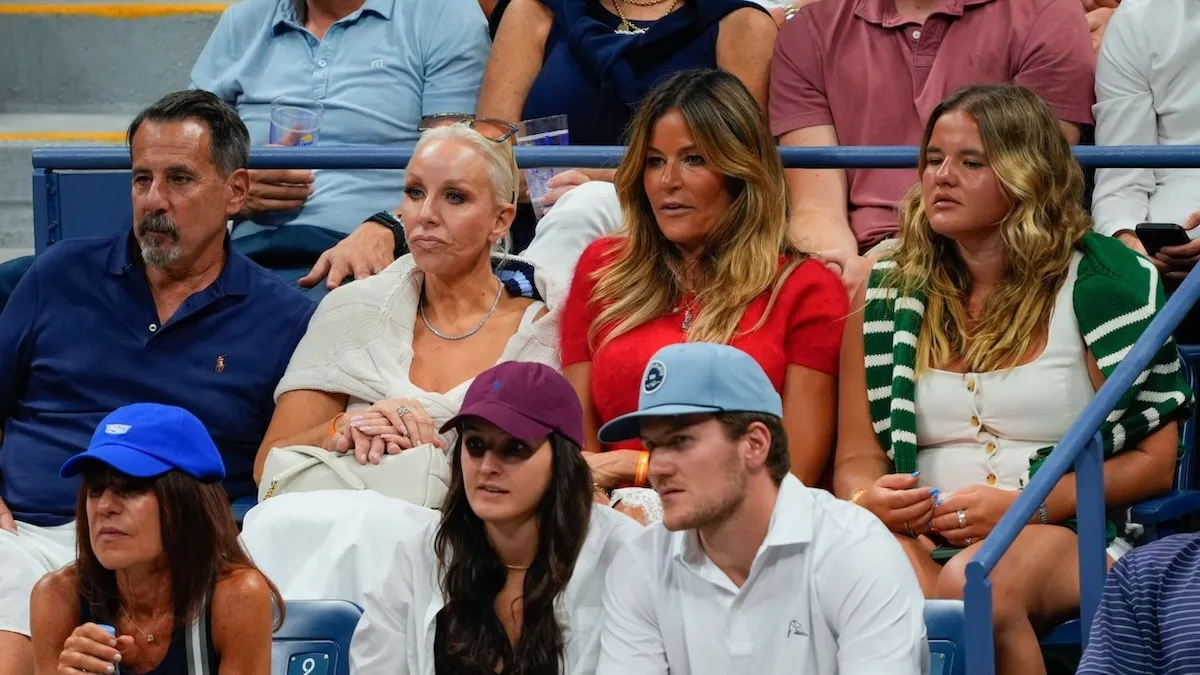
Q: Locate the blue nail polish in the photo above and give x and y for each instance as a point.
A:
(916, 473)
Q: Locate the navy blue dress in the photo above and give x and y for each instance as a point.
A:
(597, 77)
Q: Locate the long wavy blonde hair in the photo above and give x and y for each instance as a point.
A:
(1046, 220)
(741, 253)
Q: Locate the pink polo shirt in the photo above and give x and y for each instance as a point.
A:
(876, 77)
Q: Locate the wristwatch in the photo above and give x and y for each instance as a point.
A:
(391, 222)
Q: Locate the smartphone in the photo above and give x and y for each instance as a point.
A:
(1154, 236)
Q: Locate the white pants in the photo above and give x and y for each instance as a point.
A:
(24, 558)
(329, 544)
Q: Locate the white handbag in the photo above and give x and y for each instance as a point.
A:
(419, 475)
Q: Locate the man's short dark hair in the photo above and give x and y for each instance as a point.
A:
(736, 424)
(229, 142)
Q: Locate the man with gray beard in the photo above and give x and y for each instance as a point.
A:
(165, 312)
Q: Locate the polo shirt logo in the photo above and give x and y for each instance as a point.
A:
(376, 63)
(221, 363)
(795, 628)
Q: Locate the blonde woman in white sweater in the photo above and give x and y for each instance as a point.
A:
(387, 360)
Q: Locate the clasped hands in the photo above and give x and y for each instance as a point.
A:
(966, 517)
(389, 427)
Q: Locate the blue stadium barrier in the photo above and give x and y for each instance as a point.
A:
(1082, 447)
(315, 638)
(85, 192)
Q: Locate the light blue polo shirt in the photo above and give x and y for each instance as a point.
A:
(378, 71)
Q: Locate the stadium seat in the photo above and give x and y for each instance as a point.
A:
(315, 638)
(241, 507)
(944, 622)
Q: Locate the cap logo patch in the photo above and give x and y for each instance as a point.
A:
(656, 374)
(497, 386)
(116, 429)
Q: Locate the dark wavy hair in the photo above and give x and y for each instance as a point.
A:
(199, 538)
(473, 575)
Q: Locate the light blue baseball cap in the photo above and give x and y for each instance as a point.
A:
(697, 378)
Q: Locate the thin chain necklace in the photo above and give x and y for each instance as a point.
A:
(148, 637)
(626, 27)
(461, 336)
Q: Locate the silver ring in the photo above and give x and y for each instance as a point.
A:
(402, 410)
(962, 517)
(969, 540)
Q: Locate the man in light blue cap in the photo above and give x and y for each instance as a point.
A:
(749, 571)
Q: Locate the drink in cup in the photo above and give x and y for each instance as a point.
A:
(537, 132)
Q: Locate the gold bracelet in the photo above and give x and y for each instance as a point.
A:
(857, 495)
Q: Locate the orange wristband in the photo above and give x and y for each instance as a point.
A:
(643, 469)
(332, 431)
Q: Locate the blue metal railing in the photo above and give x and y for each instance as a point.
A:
(1080, 446)
(374, 157)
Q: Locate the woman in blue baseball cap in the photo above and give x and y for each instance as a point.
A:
(516, 565)
(161, 584)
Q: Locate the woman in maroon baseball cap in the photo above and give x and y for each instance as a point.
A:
(520, 550)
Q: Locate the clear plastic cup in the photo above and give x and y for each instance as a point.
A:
(541, 131)
(295, 122)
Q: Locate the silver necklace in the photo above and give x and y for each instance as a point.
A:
(148, 637)
(460, 336)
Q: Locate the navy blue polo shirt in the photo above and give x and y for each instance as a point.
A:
(80, 337)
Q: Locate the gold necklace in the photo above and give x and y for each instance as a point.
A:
(626, 27)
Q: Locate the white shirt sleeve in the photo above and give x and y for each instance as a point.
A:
(1125, 115)
(631, 643)
(380, 645)
(871, 597)
(583, 215)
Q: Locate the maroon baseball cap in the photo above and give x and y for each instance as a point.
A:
(526, 400)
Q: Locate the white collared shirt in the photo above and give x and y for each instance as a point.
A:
(395, 635)
(830, 592)
(1148, 93)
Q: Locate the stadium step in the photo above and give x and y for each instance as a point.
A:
(19, 134)
(78, 70)
(88, 57)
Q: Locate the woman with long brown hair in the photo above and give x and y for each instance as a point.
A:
(703, 256)
(975, 347)
(159, 562)
(520, 551)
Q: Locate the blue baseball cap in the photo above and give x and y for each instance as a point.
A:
(697, 378)
(145, 440)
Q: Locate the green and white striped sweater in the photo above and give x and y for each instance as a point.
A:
(1117, 293)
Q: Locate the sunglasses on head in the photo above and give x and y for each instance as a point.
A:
(489, 127)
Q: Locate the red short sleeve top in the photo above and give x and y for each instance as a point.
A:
(804, 328)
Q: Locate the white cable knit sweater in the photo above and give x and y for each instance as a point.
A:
(359, 341)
